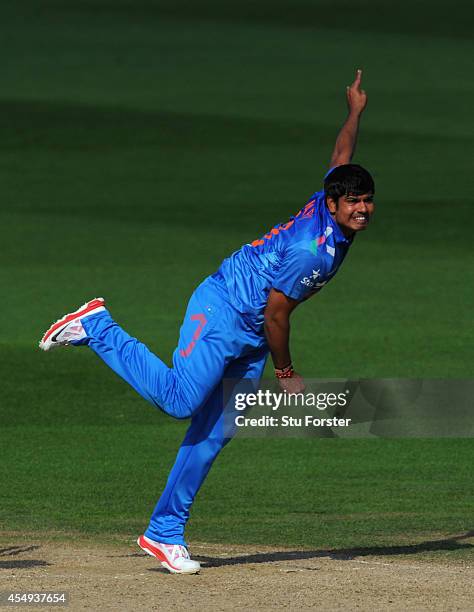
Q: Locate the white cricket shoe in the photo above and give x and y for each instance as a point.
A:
(174, 557)
(69, 328)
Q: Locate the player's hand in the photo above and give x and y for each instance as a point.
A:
(295, 384)
(356, 97)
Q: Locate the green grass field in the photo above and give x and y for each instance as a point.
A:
(140, 143)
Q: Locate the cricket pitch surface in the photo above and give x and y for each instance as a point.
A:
(122, 577)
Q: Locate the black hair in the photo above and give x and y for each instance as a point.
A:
(348, 179)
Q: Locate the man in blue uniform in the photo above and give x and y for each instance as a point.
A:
(233, 320)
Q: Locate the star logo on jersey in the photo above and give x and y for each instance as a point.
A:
(310, 281)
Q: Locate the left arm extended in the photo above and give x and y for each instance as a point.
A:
(277, 331)
(347, 137)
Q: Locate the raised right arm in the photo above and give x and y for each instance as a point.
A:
(347, 137)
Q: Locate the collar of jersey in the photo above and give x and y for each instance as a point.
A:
(338, 234)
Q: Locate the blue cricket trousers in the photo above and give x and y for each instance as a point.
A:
(215, 342)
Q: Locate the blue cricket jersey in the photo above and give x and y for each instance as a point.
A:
(298, 258)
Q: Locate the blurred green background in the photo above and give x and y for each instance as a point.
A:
(142, 142)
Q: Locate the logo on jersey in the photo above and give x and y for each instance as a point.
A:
(311, 281)
(318, 242)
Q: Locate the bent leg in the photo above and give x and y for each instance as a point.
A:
(204, 440)
(204, 350)
(126, 356)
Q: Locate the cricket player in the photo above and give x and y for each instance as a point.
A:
(234, 319)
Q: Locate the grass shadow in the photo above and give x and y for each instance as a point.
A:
(344, 554)
(12, 551)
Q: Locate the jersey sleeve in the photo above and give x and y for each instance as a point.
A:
(299, 274)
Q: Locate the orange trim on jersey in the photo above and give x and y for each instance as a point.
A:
(305, 212)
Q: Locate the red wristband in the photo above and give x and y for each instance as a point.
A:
(286, 372)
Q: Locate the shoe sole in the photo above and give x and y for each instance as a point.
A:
(95, 305)
(154, 552)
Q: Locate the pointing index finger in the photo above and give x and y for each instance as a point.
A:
(358, 77)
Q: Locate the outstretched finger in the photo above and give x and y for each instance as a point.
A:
(358, 78)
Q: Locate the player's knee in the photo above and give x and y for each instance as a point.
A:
(180, 403)
(182, 412)
(177, 409)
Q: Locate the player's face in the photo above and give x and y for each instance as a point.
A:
(352, 212)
